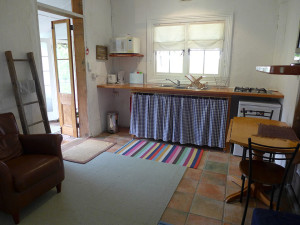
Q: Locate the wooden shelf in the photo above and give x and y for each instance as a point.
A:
(125, 55)
(280, 70)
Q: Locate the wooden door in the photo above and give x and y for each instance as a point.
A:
(62, 46)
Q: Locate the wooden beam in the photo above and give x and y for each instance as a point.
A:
(58, 11)
(80, 69)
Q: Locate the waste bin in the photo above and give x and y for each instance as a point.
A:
(112, 122)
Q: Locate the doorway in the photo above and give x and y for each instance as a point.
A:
(59, 74)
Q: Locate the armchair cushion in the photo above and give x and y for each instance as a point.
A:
(10, 147)
(27, 170)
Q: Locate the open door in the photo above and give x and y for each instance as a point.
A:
(62, 47)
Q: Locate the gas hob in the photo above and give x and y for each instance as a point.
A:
(252, 90)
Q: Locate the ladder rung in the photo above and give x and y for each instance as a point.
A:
(35, 123)
(29, 103)
(20, 60)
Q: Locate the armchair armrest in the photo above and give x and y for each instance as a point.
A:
(6, 180)
(49, 144)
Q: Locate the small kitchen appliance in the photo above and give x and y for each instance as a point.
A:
(125, 45)
(111, 78)
(121, 77)
(136, 78)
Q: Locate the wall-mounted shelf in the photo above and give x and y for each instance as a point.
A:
(280, 70)
(125, 55)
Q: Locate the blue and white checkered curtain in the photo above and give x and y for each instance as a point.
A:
(184, 119)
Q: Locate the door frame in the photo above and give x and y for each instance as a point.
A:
(79, 55)
(63, 98)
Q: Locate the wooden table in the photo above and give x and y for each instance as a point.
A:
(242, 128)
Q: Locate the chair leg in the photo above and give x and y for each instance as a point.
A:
(16, 217)
(243, 184)
(279, 196)
(58, 188)
(247, 202)
(272, 195)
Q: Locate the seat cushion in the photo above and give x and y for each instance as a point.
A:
(270, 217)
(28, 170)
(263, 172)
(10, 147)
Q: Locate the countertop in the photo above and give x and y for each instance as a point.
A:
(211, 91)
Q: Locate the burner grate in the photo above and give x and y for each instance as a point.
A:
(250, 90)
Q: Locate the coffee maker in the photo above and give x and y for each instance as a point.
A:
(121, 77)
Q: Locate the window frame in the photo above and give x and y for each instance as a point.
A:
(153, 77)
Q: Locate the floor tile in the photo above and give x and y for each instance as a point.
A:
(216, 167)
(234, 169)
(194, 174)
(114, 148)
(218, 157)
(174, 217)
(233, 212)
(187, 185)
(198, 220)
(111, 139)
(123, 141)
(181, 201)
(213, 178)
(207, 207)
(203, 160)
(233, 158)
(211, 191)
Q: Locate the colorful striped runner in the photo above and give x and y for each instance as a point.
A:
(161, 152)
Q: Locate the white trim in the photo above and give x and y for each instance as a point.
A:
(225, 63)
(51, 9)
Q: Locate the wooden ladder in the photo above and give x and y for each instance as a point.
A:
(17, 93)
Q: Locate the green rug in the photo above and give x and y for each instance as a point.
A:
(111, 189)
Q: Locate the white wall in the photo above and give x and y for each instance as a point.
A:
(19, 34)
(288, 31)
(98, 31)
(254, 31)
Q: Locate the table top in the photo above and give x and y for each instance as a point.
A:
(242, 128)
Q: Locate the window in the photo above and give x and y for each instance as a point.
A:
(189, 46)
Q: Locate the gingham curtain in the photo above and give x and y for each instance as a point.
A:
(184, 119)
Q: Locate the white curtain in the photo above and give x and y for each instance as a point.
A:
(199, 36)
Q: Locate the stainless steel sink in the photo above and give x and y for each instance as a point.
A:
(180, 87)
(167, 85)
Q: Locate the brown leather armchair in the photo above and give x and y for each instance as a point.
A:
(30, 165)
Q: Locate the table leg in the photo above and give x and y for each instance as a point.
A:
(257, 191)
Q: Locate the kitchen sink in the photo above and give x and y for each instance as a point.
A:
(173, 86)
(167, 85)
(180, 87)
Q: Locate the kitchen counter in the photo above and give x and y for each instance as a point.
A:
(211, 91)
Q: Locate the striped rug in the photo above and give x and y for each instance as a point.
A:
(161, 152)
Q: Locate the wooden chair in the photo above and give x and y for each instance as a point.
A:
(260, 168)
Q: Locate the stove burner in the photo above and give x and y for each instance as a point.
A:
(250, 90)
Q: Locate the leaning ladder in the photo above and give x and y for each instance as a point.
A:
(17, 93)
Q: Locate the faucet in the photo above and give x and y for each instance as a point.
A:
(177, 84)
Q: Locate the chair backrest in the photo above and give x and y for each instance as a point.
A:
(259, 151)
(273, 153)
(10, 145)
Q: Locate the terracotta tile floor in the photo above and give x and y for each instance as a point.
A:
(199, 197)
